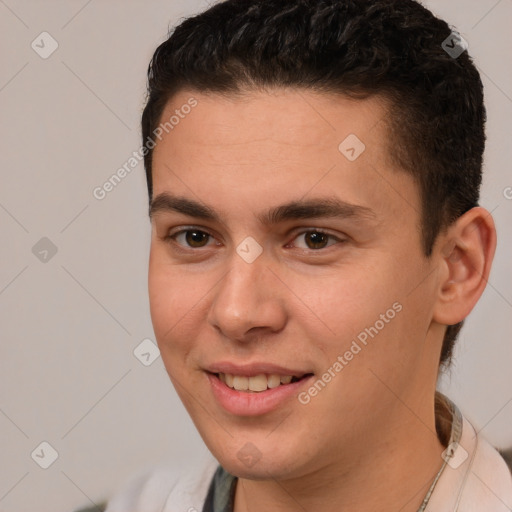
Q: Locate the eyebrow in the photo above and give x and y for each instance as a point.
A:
(325, 207)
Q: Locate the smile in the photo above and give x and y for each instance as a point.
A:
(252, 395)
(257, 383)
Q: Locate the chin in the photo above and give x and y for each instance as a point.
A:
(257, 460)
(261, 470)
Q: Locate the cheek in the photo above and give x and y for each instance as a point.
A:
(171, 299)
(367, 304)
(348, 299)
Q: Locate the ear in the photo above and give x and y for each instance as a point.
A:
(466, 253)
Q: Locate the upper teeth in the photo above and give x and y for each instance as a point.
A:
(256, 383)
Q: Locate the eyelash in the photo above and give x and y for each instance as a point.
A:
(172, 238)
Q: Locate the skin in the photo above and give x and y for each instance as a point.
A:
(367, 441)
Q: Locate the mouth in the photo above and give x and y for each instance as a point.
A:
(259, 394)
(257, 388)
(258, 383)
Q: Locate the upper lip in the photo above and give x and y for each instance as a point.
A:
(253, 369)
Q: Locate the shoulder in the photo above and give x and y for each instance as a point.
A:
(166, 488)
(476, 479)
(489, 480)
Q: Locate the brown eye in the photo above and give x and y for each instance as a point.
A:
(190, 238)
(195, 238)
(316, 239)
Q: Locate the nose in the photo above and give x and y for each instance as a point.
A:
(248, 303)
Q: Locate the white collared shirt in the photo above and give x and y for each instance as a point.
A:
(476, 479)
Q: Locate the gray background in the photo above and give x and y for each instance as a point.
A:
(71, 321)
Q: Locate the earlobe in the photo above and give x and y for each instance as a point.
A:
(465, 258)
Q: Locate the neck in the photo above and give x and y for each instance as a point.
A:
(397, 469)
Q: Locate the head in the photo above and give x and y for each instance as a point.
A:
(275, 92)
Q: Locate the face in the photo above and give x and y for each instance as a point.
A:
(279, 254)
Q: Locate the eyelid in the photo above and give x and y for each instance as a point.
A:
(301, 231)
(191, 227)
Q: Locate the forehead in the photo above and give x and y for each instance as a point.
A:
(291, 117)
(279, 145)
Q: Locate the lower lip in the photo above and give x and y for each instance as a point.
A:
(244, 403)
